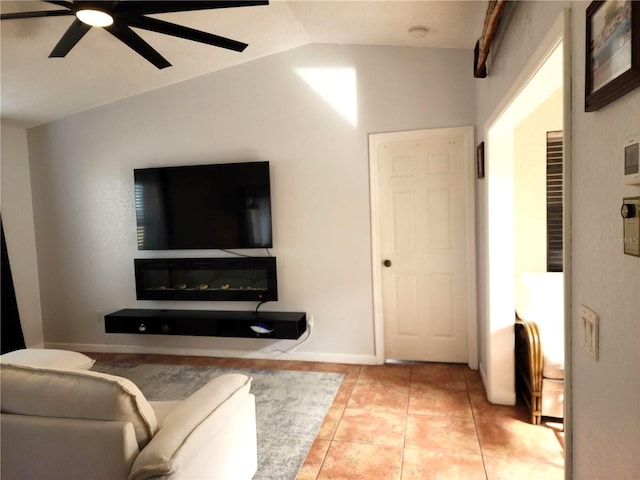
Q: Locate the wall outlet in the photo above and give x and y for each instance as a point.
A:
(589, 326)
(99, 316)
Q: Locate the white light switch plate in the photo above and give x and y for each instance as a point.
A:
(589, 328)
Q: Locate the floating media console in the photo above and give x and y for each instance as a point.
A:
(283, 325)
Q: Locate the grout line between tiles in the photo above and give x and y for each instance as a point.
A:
(344, 408)
(406, 423)
(475, 424)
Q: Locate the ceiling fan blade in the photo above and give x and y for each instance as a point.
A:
(104, 5)
(40, 13)
(142, 7)
(160, 26)
(72, 36)
(62, 3)
(135, 42)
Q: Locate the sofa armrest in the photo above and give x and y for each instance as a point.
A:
(203, 431)
(54, 448)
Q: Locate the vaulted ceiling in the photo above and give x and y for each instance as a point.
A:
(36, 89)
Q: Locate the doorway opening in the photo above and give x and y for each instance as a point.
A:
(521, 243)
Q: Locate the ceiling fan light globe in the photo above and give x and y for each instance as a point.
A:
(95, 18)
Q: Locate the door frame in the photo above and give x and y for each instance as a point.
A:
(375, 139)
(560, 31)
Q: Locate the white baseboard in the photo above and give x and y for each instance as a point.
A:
(483, 376)
(504, 398)
(496, 398)
(209, 352)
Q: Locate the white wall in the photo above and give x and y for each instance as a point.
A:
(530, 184)
(83, 187)
(606, 424)
(17, 218)
(606, 392)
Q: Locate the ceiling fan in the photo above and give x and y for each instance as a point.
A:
(117, 18)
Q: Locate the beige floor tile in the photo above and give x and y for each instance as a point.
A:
(426, 465)
(356, 461)
(435, 401)
(377, 396)
(344, 393)
(313, 462)
(442, 434)
(483, 408)
(330, 423)
(509, 468)
(444, 376)
(511, 437)
(372, 427)
(474, 381)
(387, 374)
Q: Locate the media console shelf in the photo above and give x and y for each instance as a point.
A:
(282, 325)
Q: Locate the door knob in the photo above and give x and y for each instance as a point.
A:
(628, 210)
(387, 263)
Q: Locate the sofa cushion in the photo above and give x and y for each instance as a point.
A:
(217, 400)
(40, 357)
(553, 356)
(540, 299)
(83, 394)
(162, 408)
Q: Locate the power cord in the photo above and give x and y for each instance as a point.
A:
(297, 345)
(260, 304)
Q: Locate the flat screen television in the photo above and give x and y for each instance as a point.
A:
(220, 206)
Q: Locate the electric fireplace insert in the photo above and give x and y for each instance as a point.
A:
(214, 279)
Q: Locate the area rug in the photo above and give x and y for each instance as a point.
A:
(290, 405)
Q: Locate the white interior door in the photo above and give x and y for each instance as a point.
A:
(425, 250)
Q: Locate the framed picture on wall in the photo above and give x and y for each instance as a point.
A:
(612, 46)
(480, 160)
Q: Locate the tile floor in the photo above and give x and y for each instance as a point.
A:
(411, 422)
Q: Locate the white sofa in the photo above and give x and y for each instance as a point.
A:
(59, 423)
(539, 341)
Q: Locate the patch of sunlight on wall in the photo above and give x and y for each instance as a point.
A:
(336, 86)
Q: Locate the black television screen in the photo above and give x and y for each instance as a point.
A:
(225, 205)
